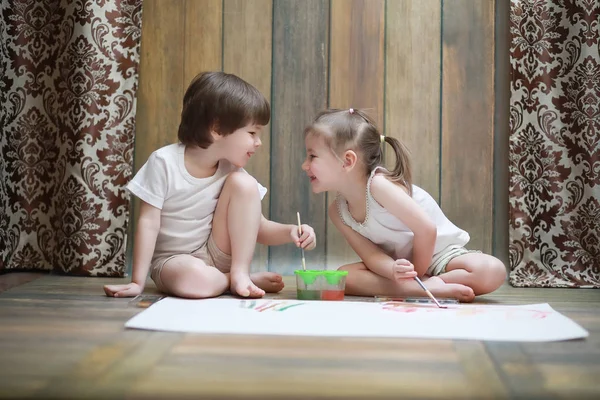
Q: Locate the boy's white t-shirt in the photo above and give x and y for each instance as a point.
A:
(187, 203)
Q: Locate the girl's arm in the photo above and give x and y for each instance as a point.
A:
(370, 254)
(144, 243)
(274, 234)
(397, 201)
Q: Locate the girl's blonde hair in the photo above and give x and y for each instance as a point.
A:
(352, 129)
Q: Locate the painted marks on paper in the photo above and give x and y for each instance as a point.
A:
(511, 313)
(271, 305)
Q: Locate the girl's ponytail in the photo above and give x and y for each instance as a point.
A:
(402, 170)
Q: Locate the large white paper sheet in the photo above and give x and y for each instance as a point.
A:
(527, 323)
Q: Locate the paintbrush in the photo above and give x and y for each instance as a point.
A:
(429, 293)
(300, 233)
(414, 300)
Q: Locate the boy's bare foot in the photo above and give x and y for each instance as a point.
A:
(449, 290)
(270, 282)
(242, 285)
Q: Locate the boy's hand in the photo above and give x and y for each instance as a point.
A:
(129, 290)
(308, 239)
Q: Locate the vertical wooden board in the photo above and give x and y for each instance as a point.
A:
(203, 37)
(161, 77)
(357, 36)
(300, 53)
(501, 130)
(468, 118)
(247, 40)
(412, 80)
(160, 89)
(356, 80)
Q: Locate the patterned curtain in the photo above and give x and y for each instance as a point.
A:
(68, 87)
(555, 143)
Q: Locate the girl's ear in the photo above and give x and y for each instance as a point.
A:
(350, 159)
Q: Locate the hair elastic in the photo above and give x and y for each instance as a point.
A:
(382, 138)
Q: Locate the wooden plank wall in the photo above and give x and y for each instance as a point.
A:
(357, 74)
(247, 53)
(424, 69)
(467, 138)
(300, 54)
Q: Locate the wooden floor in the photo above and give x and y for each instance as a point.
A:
(60, 337)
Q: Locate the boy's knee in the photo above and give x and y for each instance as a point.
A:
(193, 289)
(243, 183)
(196, 293)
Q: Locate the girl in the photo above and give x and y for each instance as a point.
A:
(395, 227)
(200, 214)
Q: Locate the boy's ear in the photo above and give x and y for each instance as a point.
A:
(350, 158)
(214, 132)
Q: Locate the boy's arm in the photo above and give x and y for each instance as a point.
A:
(370, 254)
(398, 202)
(145, 240)
(274, 234)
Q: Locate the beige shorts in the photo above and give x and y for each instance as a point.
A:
(209, 252)
(441, 260)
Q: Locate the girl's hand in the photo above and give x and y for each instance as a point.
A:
(308, 239)
(403, 269)
(129, 290)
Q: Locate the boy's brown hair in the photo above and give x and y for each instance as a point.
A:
(221, 102)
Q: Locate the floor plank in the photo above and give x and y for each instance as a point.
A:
(60, 337)
(10, 280)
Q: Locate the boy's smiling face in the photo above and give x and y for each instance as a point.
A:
(240, 145)
(321, 165)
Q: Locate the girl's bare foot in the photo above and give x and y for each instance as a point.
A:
(270, 282)
(449, 290)
(242, 285)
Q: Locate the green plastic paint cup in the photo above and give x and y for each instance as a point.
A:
(320, 284)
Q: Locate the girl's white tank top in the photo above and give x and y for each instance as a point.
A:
(391, 234)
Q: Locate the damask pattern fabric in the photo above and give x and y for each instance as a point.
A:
(68, 87)
(554, 161)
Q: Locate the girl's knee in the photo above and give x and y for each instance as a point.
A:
(495, 274)
(498, 269)
(352, 267)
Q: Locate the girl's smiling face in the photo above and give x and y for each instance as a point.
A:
(321, 165)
